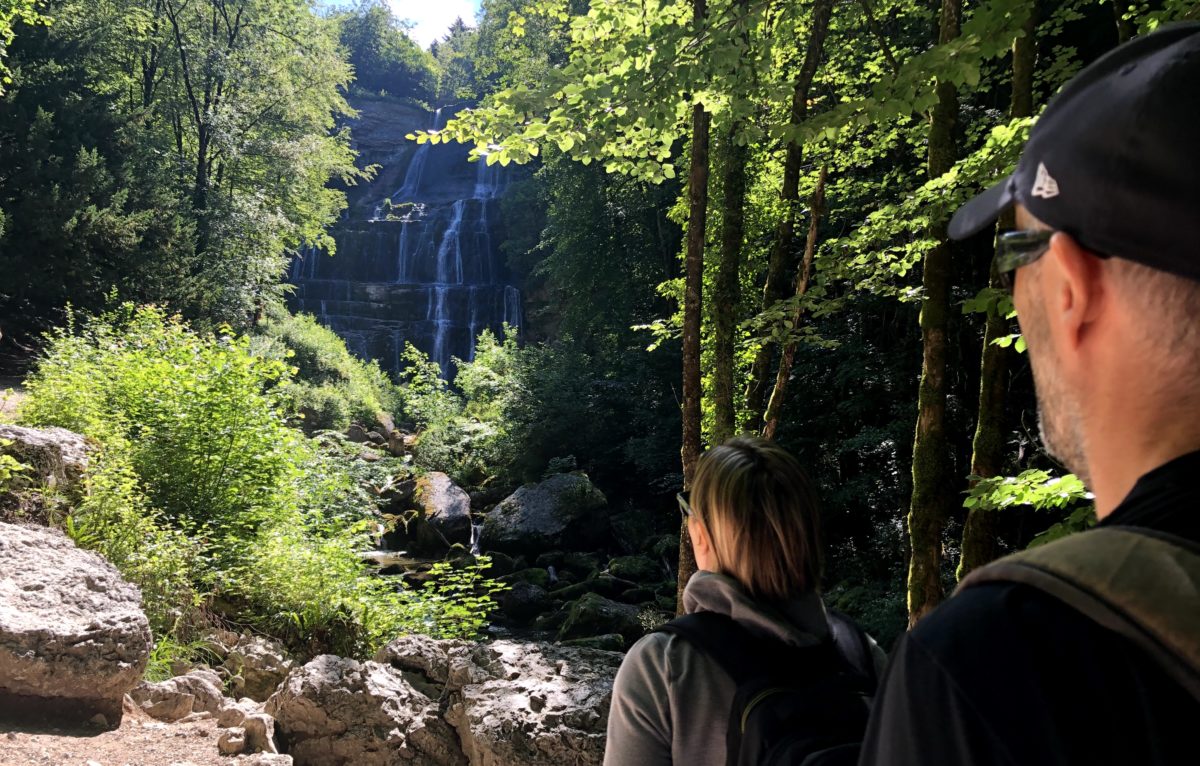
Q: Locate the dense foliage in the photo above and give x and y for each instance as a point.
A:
(202, 493)
(385, 60)
(179, 151)
(329, 388)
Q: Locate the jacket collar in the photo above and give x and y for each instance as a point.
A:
(801, 622)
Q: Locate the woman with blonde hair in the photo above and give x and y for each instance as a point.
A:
(756, 641)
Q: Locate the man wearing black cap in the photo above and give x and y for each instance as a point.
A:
(1087, 650)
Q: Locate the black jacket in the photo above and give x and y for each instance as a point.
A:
(1003, 674)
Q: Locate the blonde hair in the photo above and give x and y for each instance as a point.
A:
(760, 512)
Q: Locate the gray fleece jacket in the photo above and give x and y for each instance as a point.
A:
(671, 703)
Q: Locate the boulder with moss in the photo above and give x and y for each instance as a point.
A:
(564, 512)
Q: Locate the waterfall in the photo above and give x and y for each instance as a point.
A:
(451, 239)
(512, 307)
(402, 267)
(429, 273)
(476, 533)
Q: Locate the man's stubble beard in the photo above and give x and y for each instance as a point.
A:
(1059, 422)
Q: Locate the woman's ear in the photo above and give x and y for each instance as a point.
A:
(701, 544)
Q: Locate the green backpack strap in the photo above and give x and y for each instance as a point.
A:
(1140, 583)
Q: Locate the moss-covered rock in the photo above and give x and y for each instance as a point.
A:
(604, 585)
(532, 575)
(635, 568)
(563, 512)
(595, 615)
(611, 642)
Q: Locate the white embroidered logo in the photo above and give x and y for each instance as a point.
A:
(1044, 185)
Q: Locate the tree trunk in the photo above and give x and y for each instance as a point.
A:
(987, 458)
(775, 405)
(693, 289)
(933, 495)
(782, 260)
(727, 285)
(727, 289)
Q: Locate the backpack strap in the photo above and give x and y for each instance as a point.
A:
(736, 650)
(1139, 583)
(853, 645)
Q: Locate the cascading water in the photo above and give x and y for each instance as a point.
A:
(419, 265)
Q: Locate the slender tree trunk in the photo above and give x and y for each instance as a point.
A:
(727, 285)
(933, 494)
(693, 289)
(782, 260)
(727, 289)
(775, 405)
(987, 458)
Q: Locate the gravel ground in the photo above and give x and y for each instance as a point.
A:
(139, 741)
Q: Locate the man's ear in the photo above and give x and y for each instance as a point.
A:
(1076, 287)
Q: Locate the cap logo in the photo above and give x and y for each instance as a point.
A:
(1044, 185)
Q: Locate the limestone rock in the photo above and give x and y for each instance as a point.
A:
(537, 705)
(564, 511)
(259, 731)
(231, 742)
(73, 638)
(55, 456)
(421, 654)
(336, 711)
(514, 703)
(197, 692)
(259, 664)
(446, 510)
(263, 759)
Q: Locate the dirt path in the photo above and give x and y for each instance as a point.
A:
(139, 741)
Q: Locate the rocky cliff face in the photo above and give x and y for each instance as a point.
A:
(417, 255)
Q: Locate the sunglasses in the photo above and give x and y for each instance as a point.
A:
(685, 507)
(1015, 249)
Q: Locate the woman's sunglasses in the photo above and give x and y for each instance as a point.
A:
(1015, 249)
(685, 507)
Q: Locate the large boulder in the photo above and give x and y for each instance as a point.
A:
(523, 602)
(565, 511)
(335, 711)
(55, 456)
(595, 615)
(514, 703)
(445, 512)
(534, 705)
(73, 637)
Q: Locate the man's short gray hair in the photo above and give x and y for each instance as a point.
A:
(1170, 310)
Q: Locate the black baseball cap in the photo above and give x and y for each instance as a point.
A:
(1114, 160)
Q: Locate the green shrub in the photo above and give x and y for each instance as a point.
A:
(10, 467)
(327, 371)
(115, 520)
(202, 488)
(321, 408)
